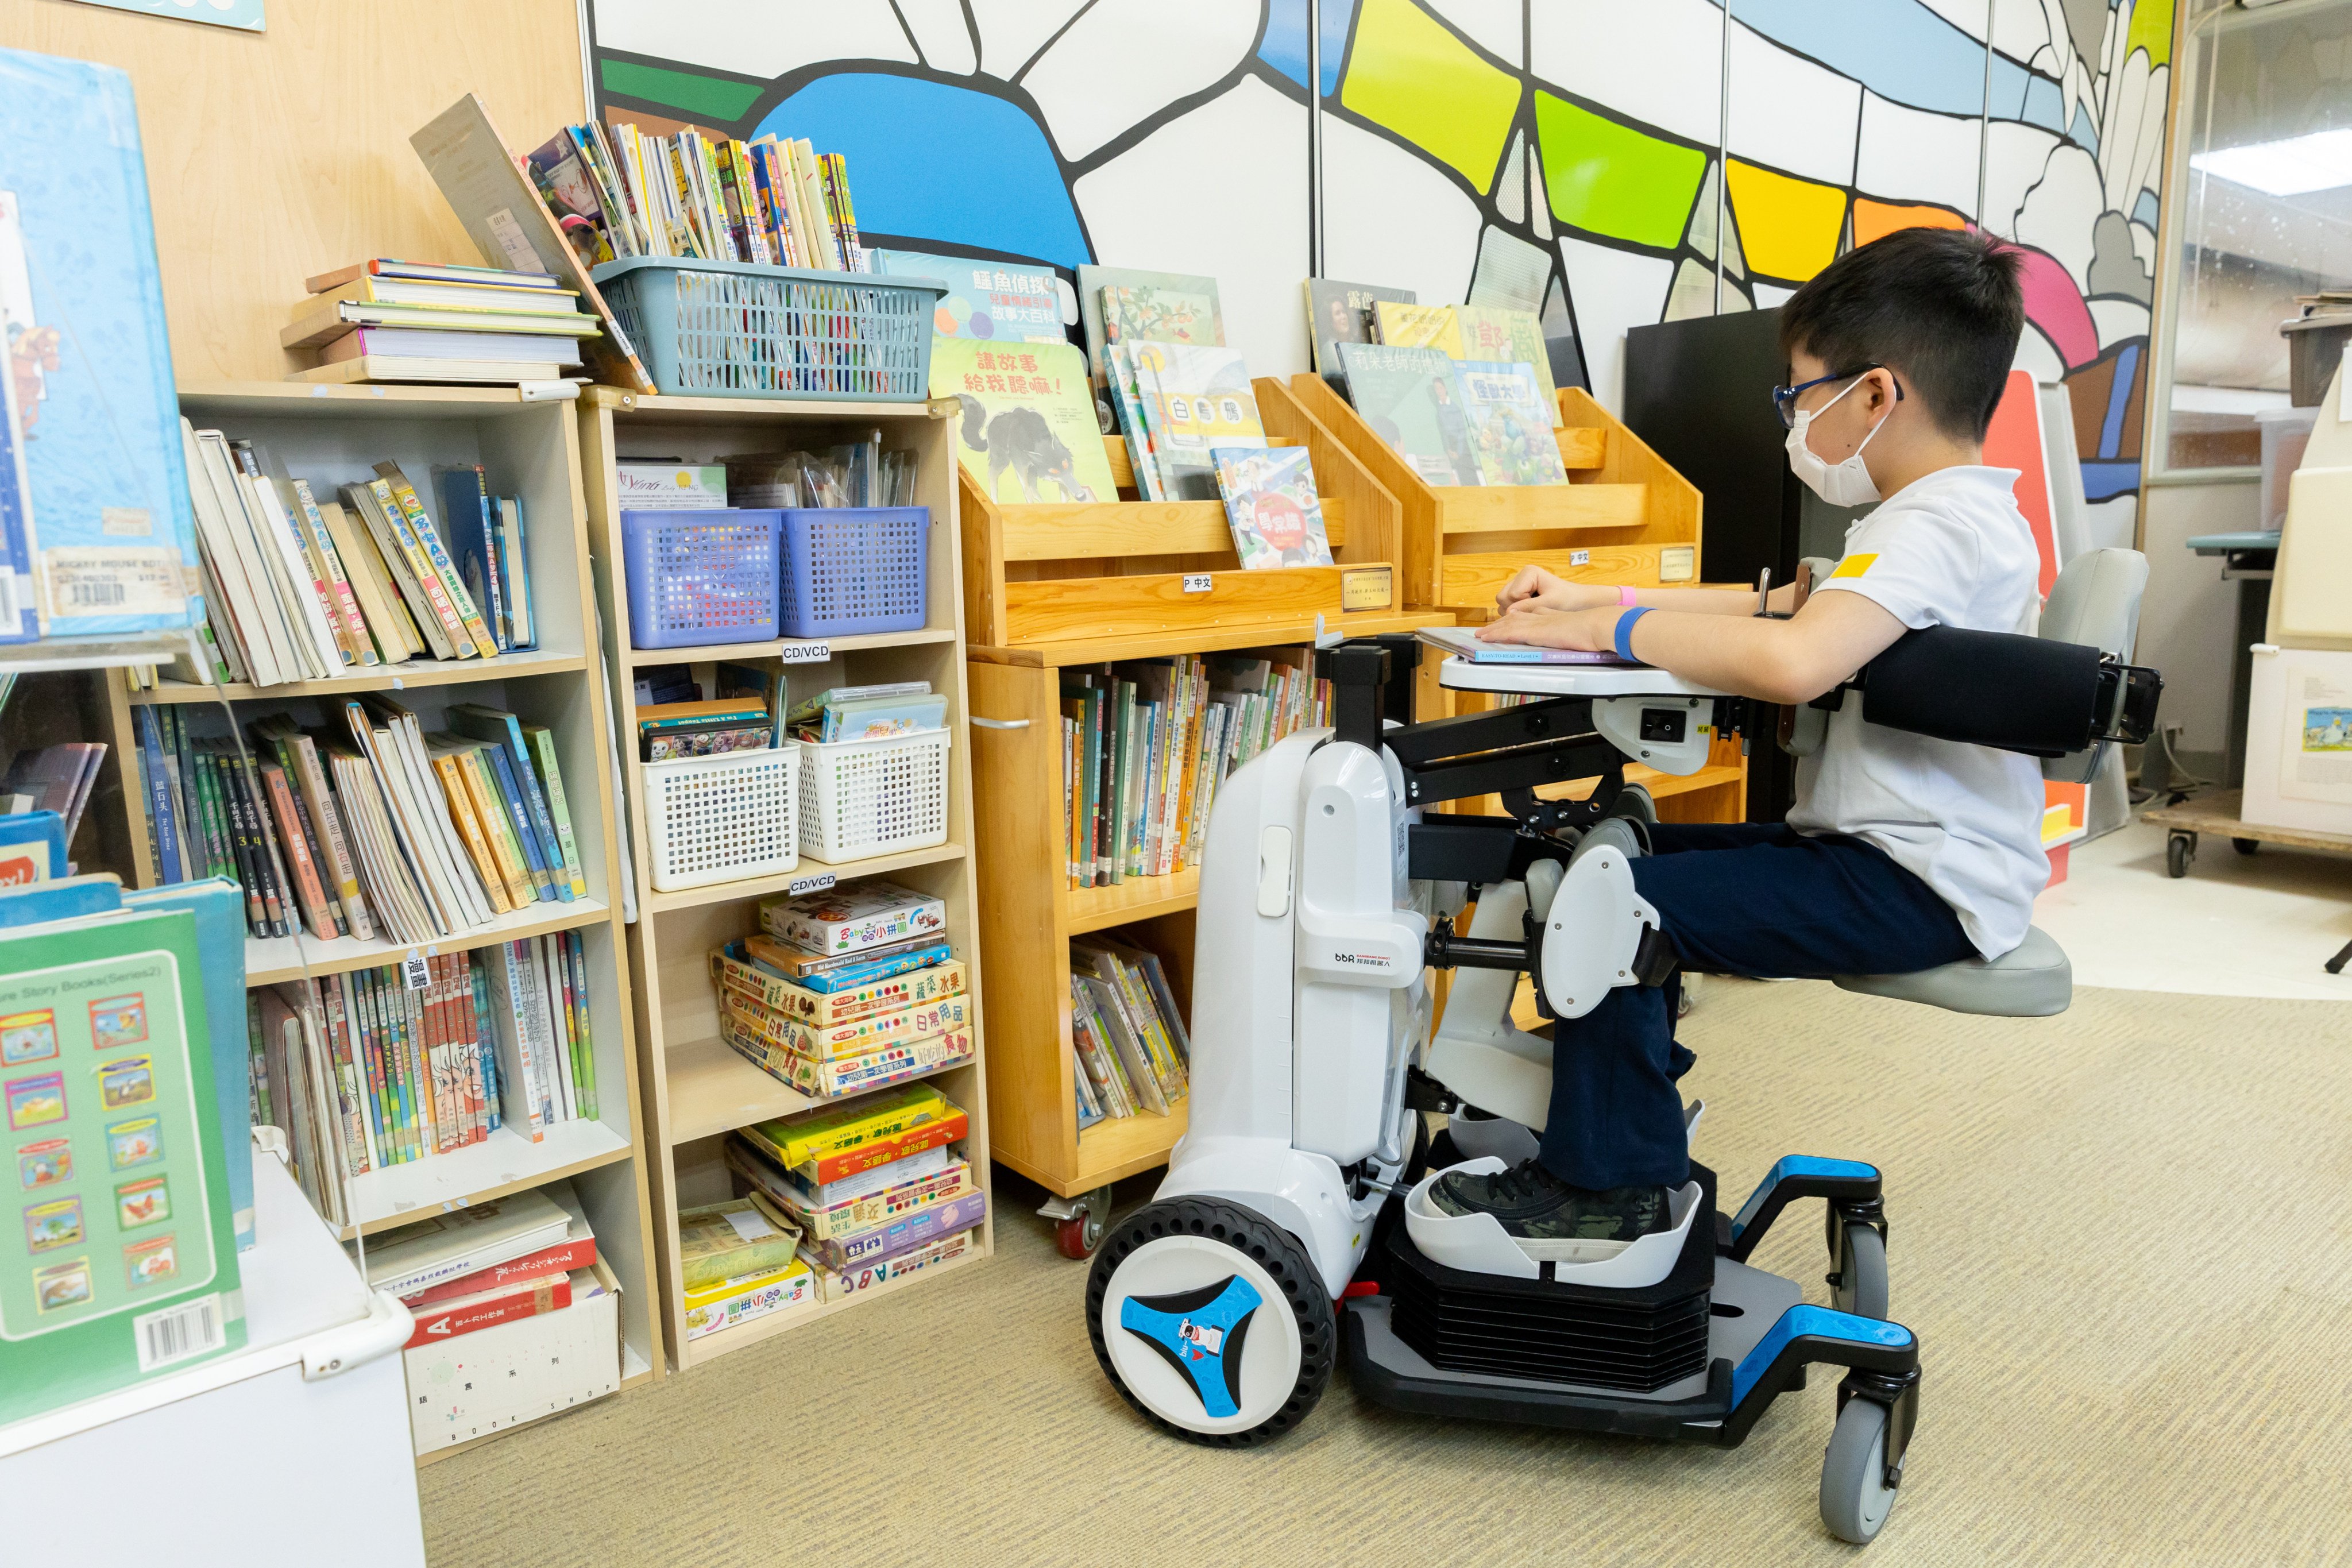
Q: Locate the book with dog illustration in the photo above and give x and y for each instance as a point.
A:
(1408, 397)
(1270, 499)
(1510, 425)
(1147, 307)
(1027, 430)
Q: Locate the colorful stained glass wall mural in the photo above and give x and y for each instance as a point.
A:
(1588, 159)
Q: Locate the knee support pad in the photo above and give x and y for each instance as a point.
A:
(1597, 931)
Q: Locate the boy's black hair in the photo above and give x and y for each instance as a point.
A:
(1939, 307)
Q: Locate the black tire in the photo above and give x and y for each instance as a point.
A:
(1273, 1250)
(1855, 1498)
(2245, 845)
(1862, 1272)
(2178, 853)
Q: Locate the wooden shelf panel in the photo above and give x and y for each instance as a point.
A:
(1137, 898)
(506, 1162)
(716, 652)
(643, 407)
(207, 400)
(694, 1352)
(1109, 1150)
(1126, 528)
(1660, 786)
(380, 677)
(713, 1090)
(1055, 655)
(274, 961)
(782, 881)
(1508, 509)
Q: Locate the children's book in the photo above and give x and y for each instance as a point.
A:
(1510, 431)
(97, 416)
(1153, 307)
(1195, 399)
(1512, 337)
(1028, 432)
(1407, 396)
(1407, 326)
(1277, 520)
(1342, 313)
(1000, 302)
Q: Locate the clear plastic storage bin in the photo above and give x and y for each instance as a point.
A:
(701, 577)
(852, 570)
(860, 798)
(735, 329)
(723, 818)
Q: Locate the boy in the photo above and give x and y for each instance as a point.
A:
(1902, 853)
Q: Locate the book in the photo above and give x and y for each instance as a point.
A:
(895, 1062)
(1461, 642)
(1407, 396)
(1342, 313)
(901, 1233)
(390, 368)
(500, 728)
(448, 1318)
(1271, 504)
(729, 1240)
(995, 302)
(839, 1287)
(1417, 326)
(446, 1246)
(855, 1037)
(1153, 307)
(853, 918)
(542, 741)
(576, 1250)
(430, 272)
(319, 323)
(876, 1196)
(1025, 414)
(1194, 399)
(875, 718)
(1492, 332)
(1510, 424)
(454, 294)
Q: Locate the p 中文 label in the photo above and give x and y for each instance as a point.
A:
(176, 1333)
(1199, 581)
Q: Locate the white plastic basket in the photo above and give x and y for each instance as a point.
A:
(872, 797)
(722, 819)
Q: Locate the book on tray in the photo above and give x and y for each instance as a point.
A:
(1026, 416)
(383, 319)
(1270, 501)
(377, 1067)
(1146, 743)
(378, 830)
(1343, 313)
(1126, 1031)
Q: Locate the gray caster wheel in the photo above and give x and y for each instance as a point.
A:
(1861, 1287)
(1855, 1498)
(2246, 845)
(1634, 801)
(2178, 850)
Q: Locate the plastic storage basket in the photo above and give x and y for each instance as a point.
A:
(701, 577)
(854, 570)
(873, 797)
(733, 329)
(722, 819)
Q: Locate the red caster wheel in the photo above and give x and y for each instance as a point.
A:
(1079, 1223)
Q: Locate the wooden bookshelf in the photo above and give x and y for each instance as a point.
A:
(331, 436)
(1058, 586)
(695, 1089)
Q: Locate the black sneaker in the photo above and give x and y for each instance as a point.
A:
(1551, 1220)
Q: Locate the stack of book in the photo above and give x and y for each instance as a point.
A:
(520, 1257)
(301, 586)
(1132, 1051)
(403, 320)
(385, 1067)
(739, 1261)
(845, 991)
(618, 193)
(1146, 743)
(57, 778)
(876, 712)
(874, 1188)
(1340, 313)
(381, 830)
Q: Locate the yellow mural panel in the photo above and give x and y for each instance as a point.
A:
(1788, 228)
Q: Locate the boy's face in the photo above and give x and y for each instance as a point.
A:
(1840, 423)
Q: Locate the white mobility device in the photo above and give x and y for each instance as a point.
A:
(1295, 1218)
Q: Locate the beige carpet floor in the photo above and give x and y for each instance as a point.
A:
(2121, 1236)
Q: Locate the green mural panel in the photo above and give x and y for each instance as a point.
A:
(1613, 180)
(2151, 29)
(1410, 74)
(704, 95)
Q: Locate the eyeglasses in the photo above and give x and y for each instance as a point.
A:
(1784, 398)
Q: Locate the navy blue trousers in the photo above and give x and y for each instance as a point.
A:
(1747, 898)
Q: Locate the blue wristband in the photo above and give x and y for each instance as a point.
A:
(1625, 632)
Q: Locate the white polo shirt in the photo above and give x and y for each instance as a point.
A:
(1950, 549)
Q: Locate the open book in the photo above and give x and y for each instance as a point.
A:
(1463, 642)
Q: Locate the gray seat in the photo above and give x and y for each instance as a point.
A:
(2032, 982)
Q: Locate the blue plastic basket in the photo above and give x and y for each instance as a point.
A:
(701, 577)
(855, 570)
(731, 329)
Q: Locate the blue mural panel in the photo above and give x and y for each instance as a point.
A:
(1284, 45)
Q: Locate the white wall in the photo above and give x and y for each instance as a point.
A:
(2188, 619)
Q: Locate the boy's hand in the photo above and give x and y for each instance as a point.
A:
(1533, 588)
(1592, 630)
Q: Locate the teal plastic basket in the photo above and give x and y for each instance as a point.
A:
(731, 329)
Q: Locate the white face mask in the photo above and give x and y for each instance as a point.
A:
(1847, 483)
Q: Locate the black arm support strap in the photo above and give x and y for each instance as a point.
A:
(2034, 695)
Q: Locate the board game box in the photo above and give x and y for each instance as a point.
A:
(852, 919)
(820, 1009)
(893, 1063)
(857, 1038)
(825, 1221)
(739, 1301)
(833, 1141)
(839, 1285)
(903, 1233)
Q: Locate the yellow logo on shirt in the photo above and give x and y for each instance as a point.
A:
(1853, 565)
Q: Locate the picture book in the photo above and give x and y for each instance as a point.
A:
(1342, 313)
(1409, 326)
(1512, 337)
(1463, 642)
(1407, 396)
(1196, 399)
(1027, 431)
(106, 544)
(1004, 301)
(1510, 429)
(1155, 307)
(1270, 500)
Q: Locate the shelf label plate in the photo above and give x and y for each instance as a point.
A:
(816, 884)
(1199, 581)
(1367, 588)
(805, 653)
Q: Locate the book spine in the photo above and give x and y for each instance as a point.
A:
(160, 814)
(343, 600)
(477, 1028)
(447, 772)
(576, 949)
(429, 539)
(542, 821)
(415, 573)
(276, 892)
(492, 604)
(334, 840)
(518, 810)
(550, 774)
(489, 805)
(311, 897)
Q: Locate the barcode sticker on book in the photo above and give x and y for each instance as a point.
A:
(414, 973)
(176, 1333)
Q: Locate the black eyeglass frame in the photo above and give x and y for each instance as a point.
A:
(1784, 398)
